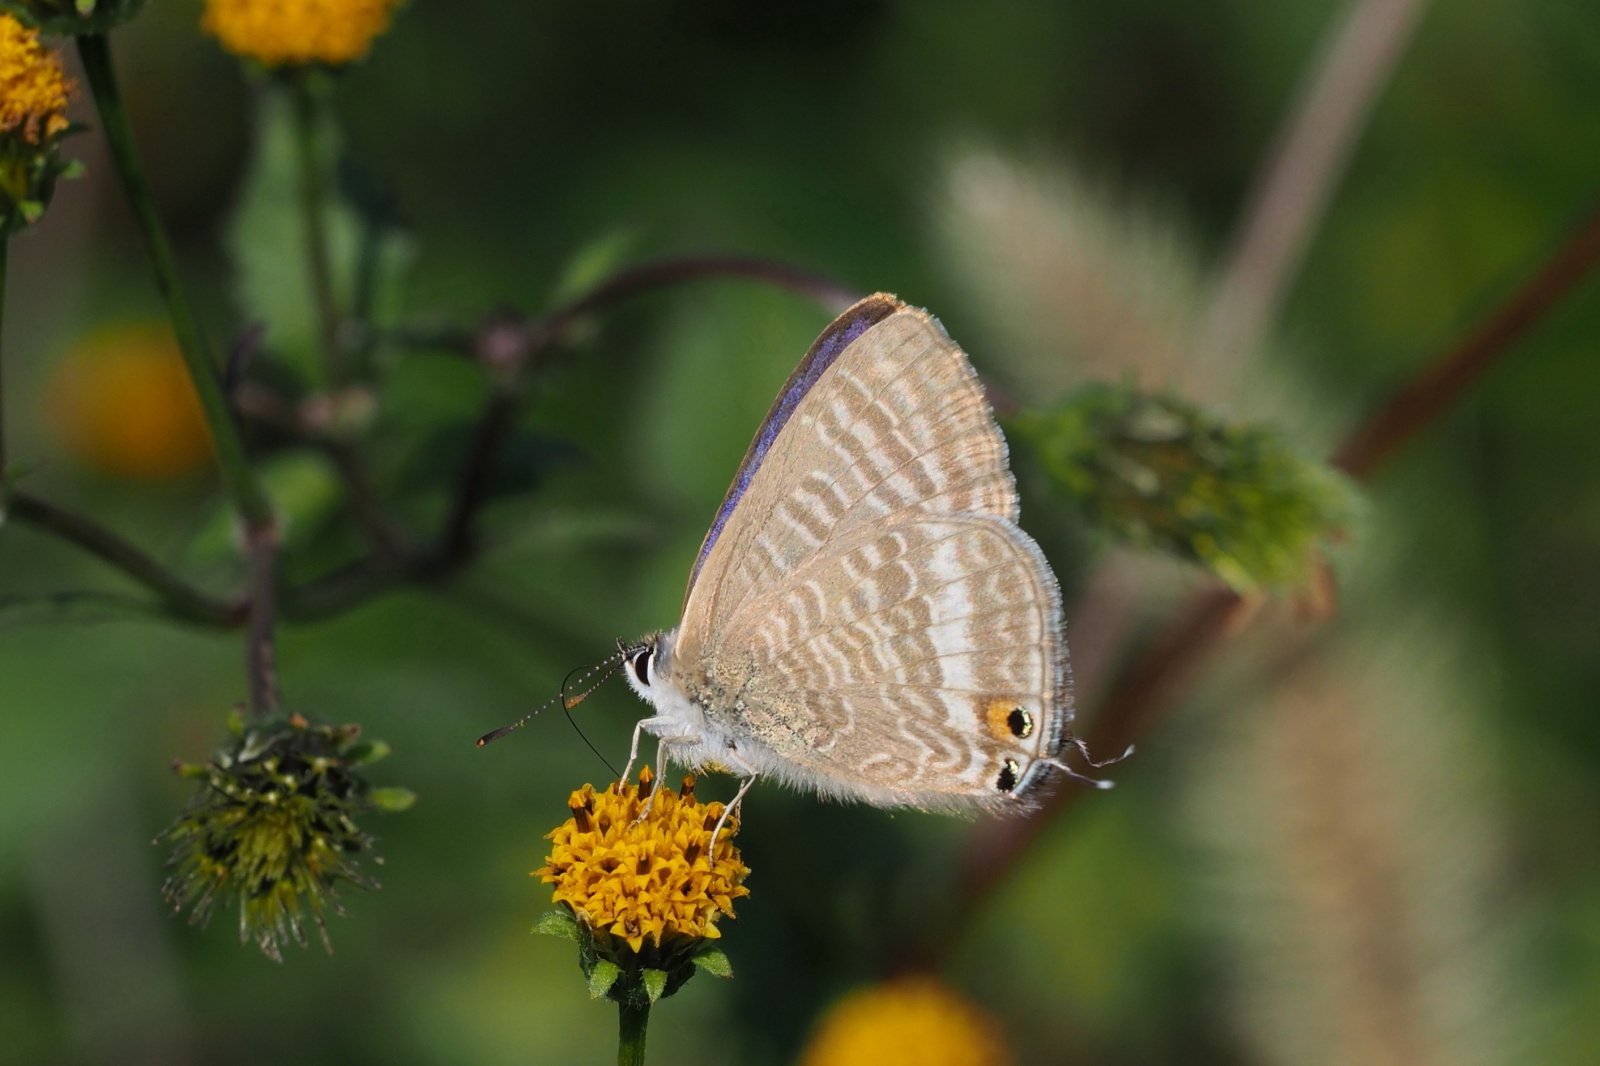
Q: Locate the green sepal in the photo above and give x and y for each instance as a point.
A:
(557, 923)
(654, 982)
(366, 752)
(714, 962)
(602, 975)
(393, 800)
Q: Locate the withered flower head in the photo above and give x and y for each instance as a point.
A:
(273, 827)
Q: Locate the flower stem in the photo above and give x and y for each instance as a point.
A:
(313, 206)
(238, 479)
(5, 245)
(632, 1021)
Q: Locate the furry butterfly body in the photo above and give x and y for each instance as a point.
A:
(865, 617)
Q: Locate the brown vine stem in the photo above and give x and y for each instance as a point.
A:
(1162, 672)
(1431, 392)
(260, 651)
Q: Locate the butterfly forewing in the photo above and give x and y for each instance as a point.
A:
(866, 607)
(897, 424)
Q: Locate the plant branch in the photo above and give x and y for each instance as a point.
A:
(238, 478)
(1303, 168)
(1431, 392)
(178, 597)
(260, 654)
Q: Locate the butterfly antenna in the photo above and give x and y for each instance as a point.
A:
(610, 665)
(568, 703)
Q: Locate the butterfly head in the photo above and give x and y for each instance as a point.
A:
(643, 662)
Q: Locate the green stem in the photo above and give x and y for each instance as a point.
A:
(313, 197)
(5, 245)
(237, 477)
(631, 1024)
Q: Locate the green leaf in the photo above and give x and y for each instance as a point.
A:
(655, 983)
(266, 239)
(393, 800)
(602, 977)
(593, 263)
(714, 962)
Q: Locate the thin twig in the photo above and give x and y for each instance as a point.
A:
(1431, 392)
(1303, 168)
(179, 598)
(260, 653)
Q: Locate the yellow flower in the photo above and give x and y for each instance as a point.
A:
(645, 879)
(295, 32)
(33, 87)
(123, 402)
(914, 1020)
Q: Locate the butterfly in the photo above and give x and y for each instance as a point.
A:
(865, 617)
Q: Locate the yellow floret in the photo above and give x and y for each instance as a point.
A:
(645, 879)
(33, 87)
(294, 32)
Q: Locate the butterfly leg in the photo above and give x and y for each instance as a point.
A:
(638, 731)
(738, 798)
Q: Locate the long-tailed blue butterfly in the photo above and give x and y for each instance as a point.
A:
(865, 617)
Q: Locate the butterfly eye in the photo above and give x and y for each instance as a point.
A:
(1008, 776)
(641, 667)
(1020, 722)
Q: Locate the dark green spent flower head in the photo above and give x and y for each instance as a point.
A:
(1157, 472)
(65, 18)
(273, 826)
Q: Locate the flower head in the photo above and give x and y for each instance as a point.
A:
(1158, 472)
(272, 826)
(33, 118)
(123, 402)
(910, 1020)
(643, 889)
(33, 87)
(278, 33)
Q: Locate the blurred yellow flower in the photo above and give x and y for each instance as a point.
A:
(123, 402)
(645, 878)
(279, 33)
(33, 87)
(912, 1021)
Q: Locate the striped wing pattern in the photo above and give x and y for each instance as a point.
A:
(911, 632)
(869, 600)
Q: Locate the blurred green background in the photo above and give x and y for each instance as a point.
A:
(1164, 922)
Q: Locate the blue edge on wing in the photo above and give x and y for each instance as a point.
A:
(835, 339)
